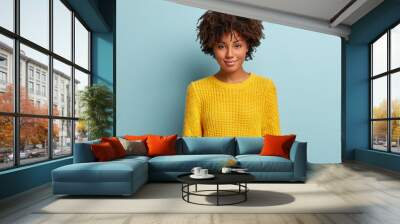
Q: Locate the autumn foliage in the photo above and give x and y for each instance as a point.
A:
(33, 131)
(380, 127)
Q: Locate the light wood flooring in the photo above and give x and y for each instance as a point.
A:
(378, 188)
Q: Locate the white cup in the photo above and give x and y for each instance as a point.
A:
(196, 170)
(226, 170)
(203, 172)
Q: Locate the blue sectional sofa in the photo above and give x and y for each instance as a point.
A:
(125, 176)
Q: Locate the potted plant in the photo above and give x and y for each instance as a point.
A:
(96, 102)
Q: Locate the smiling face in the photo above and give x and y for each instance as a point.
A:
(230, 52)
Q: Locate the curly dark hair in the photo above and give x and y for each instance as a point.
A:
(213, 25)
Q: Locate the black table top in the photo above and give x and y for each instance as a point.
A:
(220, 178)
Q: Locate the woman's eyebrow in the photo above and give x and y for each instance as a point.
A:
(233, 41)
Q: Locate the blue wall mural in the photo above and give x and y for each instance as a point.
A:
(156, 60)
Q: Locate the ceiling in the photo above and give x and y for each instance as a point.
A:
(326, 16)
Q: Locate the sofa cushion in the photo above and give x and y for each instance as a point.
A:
(257, 163)
(185, 163)
(249, 145)
(207, 145)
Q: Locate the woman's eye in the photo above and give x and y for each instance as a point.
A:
(238, 46)
(220, 46)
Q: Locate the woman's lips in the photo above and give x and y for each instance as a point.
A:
(230, 63)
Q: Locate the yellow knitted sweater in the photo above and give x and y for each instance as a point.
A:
(218, 109)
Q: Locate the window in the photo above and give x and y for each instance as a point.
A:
(7, 14)
(35, 21)
(6, 74)
(3, 61)
(55, 127)
(30, 72)
(38, 74)
(3, 72)
(38, 89)
(30, 87)
(81, 45)
(62, 29)
(62, 74)
(43, 90)
(3, 78)
(385, 91)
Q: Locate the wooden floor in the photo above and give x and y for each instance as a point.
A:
(377, 188)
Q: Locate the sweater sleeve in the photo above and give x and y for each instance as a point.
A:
(271, 124)
(192, 119)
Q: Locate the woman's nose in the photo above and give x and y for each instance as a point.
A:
(229, 52)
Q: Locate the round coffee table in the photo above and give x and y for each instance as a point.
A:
(238, 179)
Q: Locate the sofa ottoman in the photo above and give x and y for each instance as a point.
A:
(119, 177)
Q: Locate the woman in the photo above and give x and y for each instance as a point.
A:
(232, 102)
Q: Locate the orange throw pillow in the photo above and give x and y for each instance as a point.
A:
(135, 137)
(277, 145)
(116, 145)
(103, 151)
(161, 145)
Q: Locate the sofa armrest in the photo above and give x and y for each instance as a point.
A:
(83, 152)
(298, 155)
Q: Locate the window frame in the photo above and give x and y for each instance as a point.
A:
(16, 115)
(388, 74)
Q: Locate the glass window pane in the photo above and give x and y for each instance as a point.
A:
(35, 21)
(395, 47)
(395, 136)
(6, 74)
(62, 89)
(395, 94)
(33, 140)
(379, 135)
(379, 97)
(62, 138)
(81, 81)
(6, 142)
(81, 131)
(81, 45)
(62, 29)
(379, 55)
(34, 66)
(7, 14)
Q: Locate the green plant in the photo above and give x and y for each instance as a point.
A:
(97, 104)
